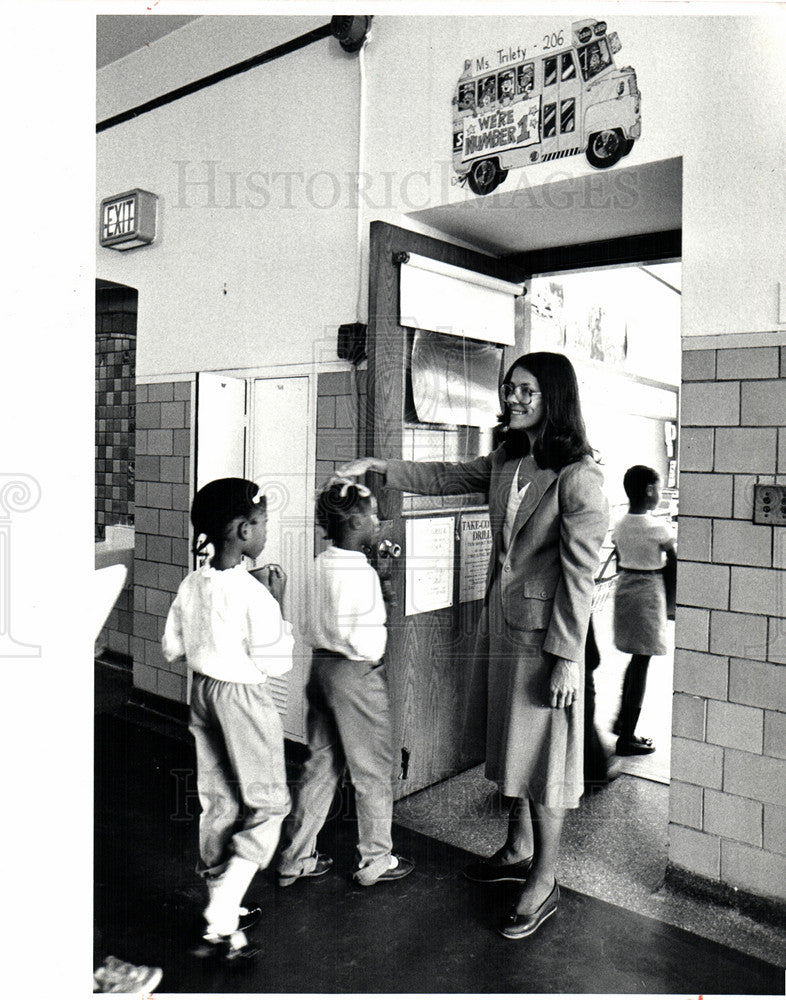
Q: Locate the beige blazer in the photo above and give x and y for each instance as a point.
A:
(547, 576)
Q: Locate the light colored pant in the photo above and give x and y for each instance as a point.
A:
(241, 777)
(348, 721)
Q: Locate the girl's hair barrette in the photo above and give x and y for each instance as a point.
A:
(363, 491)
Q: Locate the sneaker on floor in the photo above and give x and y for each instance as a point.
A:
(229, 948)
(115, 976)
(322, 866)
(400, 868)
(632, 746)
(247, 917)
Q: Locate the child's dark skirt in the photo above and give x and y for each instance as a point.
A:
(640, 613)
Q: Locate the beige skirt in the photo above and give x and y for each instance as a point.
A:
(532, 750)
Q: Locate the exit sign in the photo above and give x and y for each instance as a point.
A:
(128, 220)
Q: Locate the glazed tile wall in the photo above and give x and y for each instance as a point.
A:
(115, 356)
(729, 721)
(114, 433)
(161, 556)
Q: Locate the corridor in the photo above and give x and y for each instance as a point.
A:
(434, 932)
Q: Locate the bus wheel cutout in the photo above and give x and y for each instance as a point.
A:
(606, 148)
(485, 176)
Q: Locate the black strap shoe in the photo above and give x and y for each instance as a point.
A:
(486, 870)
(521, 925)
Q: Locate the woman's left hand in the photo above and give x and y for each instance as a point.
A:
(565, 678)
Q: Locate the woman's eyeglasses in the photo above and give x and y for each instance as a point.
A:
(521, 393)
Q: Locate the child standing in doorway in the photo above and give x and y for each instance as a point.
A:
(348, 702)
(643, 545)
(228, 627)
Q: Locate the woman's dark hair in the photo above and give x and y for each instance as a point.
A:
(337, 503)
(218, 504)
(637, 479)
(561, 437)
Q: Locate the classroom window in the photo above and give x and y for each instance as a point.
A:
(549, 71)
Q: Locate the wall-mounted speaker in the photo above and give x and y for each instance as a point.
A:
(352, 342)
(349, 31)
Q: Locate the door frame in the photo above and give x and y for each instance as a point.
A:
(420, 739)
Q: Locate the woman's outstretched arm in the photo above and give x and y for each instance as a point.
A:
(426, 478)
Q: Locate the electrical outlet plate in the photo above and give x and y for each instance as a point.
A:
(769, 504)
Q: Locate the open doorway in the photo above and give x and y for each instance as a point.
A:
(614, 307)
(620, 326)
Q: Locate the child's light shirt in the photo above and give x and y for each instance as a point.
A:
(347, 611)
(228, 626)
(641, 541)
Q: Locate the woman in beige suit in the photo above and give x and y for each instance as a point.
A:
(548, 516)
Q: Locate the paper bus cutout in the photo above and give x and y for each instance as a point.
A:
(561, 96)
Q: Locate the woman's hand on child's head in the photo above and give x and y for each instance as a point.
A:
(359, 467)
(565, 678)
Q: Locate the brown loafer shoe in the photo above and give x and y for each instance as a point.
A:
(486, 871)
(521, 925)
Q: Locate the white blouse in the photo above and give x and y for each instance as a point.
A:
(228, 626)
(515, 497)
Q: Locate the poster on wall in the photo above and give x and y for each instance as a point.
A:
(429, 564)
(474, 555)
(557, 95)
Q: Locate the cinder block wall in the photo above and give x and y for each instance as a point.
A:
(163, 499)
(727, 814)
(161, 556)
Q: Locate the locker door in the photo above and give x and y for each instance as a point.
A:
(281, 462)
(220, 428)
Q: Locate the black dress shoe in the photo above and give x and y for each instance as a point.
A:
(521, 925)
(322, 866)
(486, 871)
(404, 867)
(632, 746)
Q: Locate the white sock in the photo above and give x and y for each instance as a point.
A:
(393, 863)
(226, 894)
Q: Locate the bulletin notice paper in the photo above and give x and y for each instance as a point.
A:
(475, 552)
(429, 564)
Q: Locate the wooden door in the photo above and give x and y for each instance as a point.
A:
(438, 714)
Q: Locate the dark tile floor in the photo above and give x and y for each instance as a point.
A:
(433, 932)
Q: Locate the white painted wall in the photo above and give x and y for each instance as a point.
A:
(249, 268)
(713, 92)
(253, 269)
